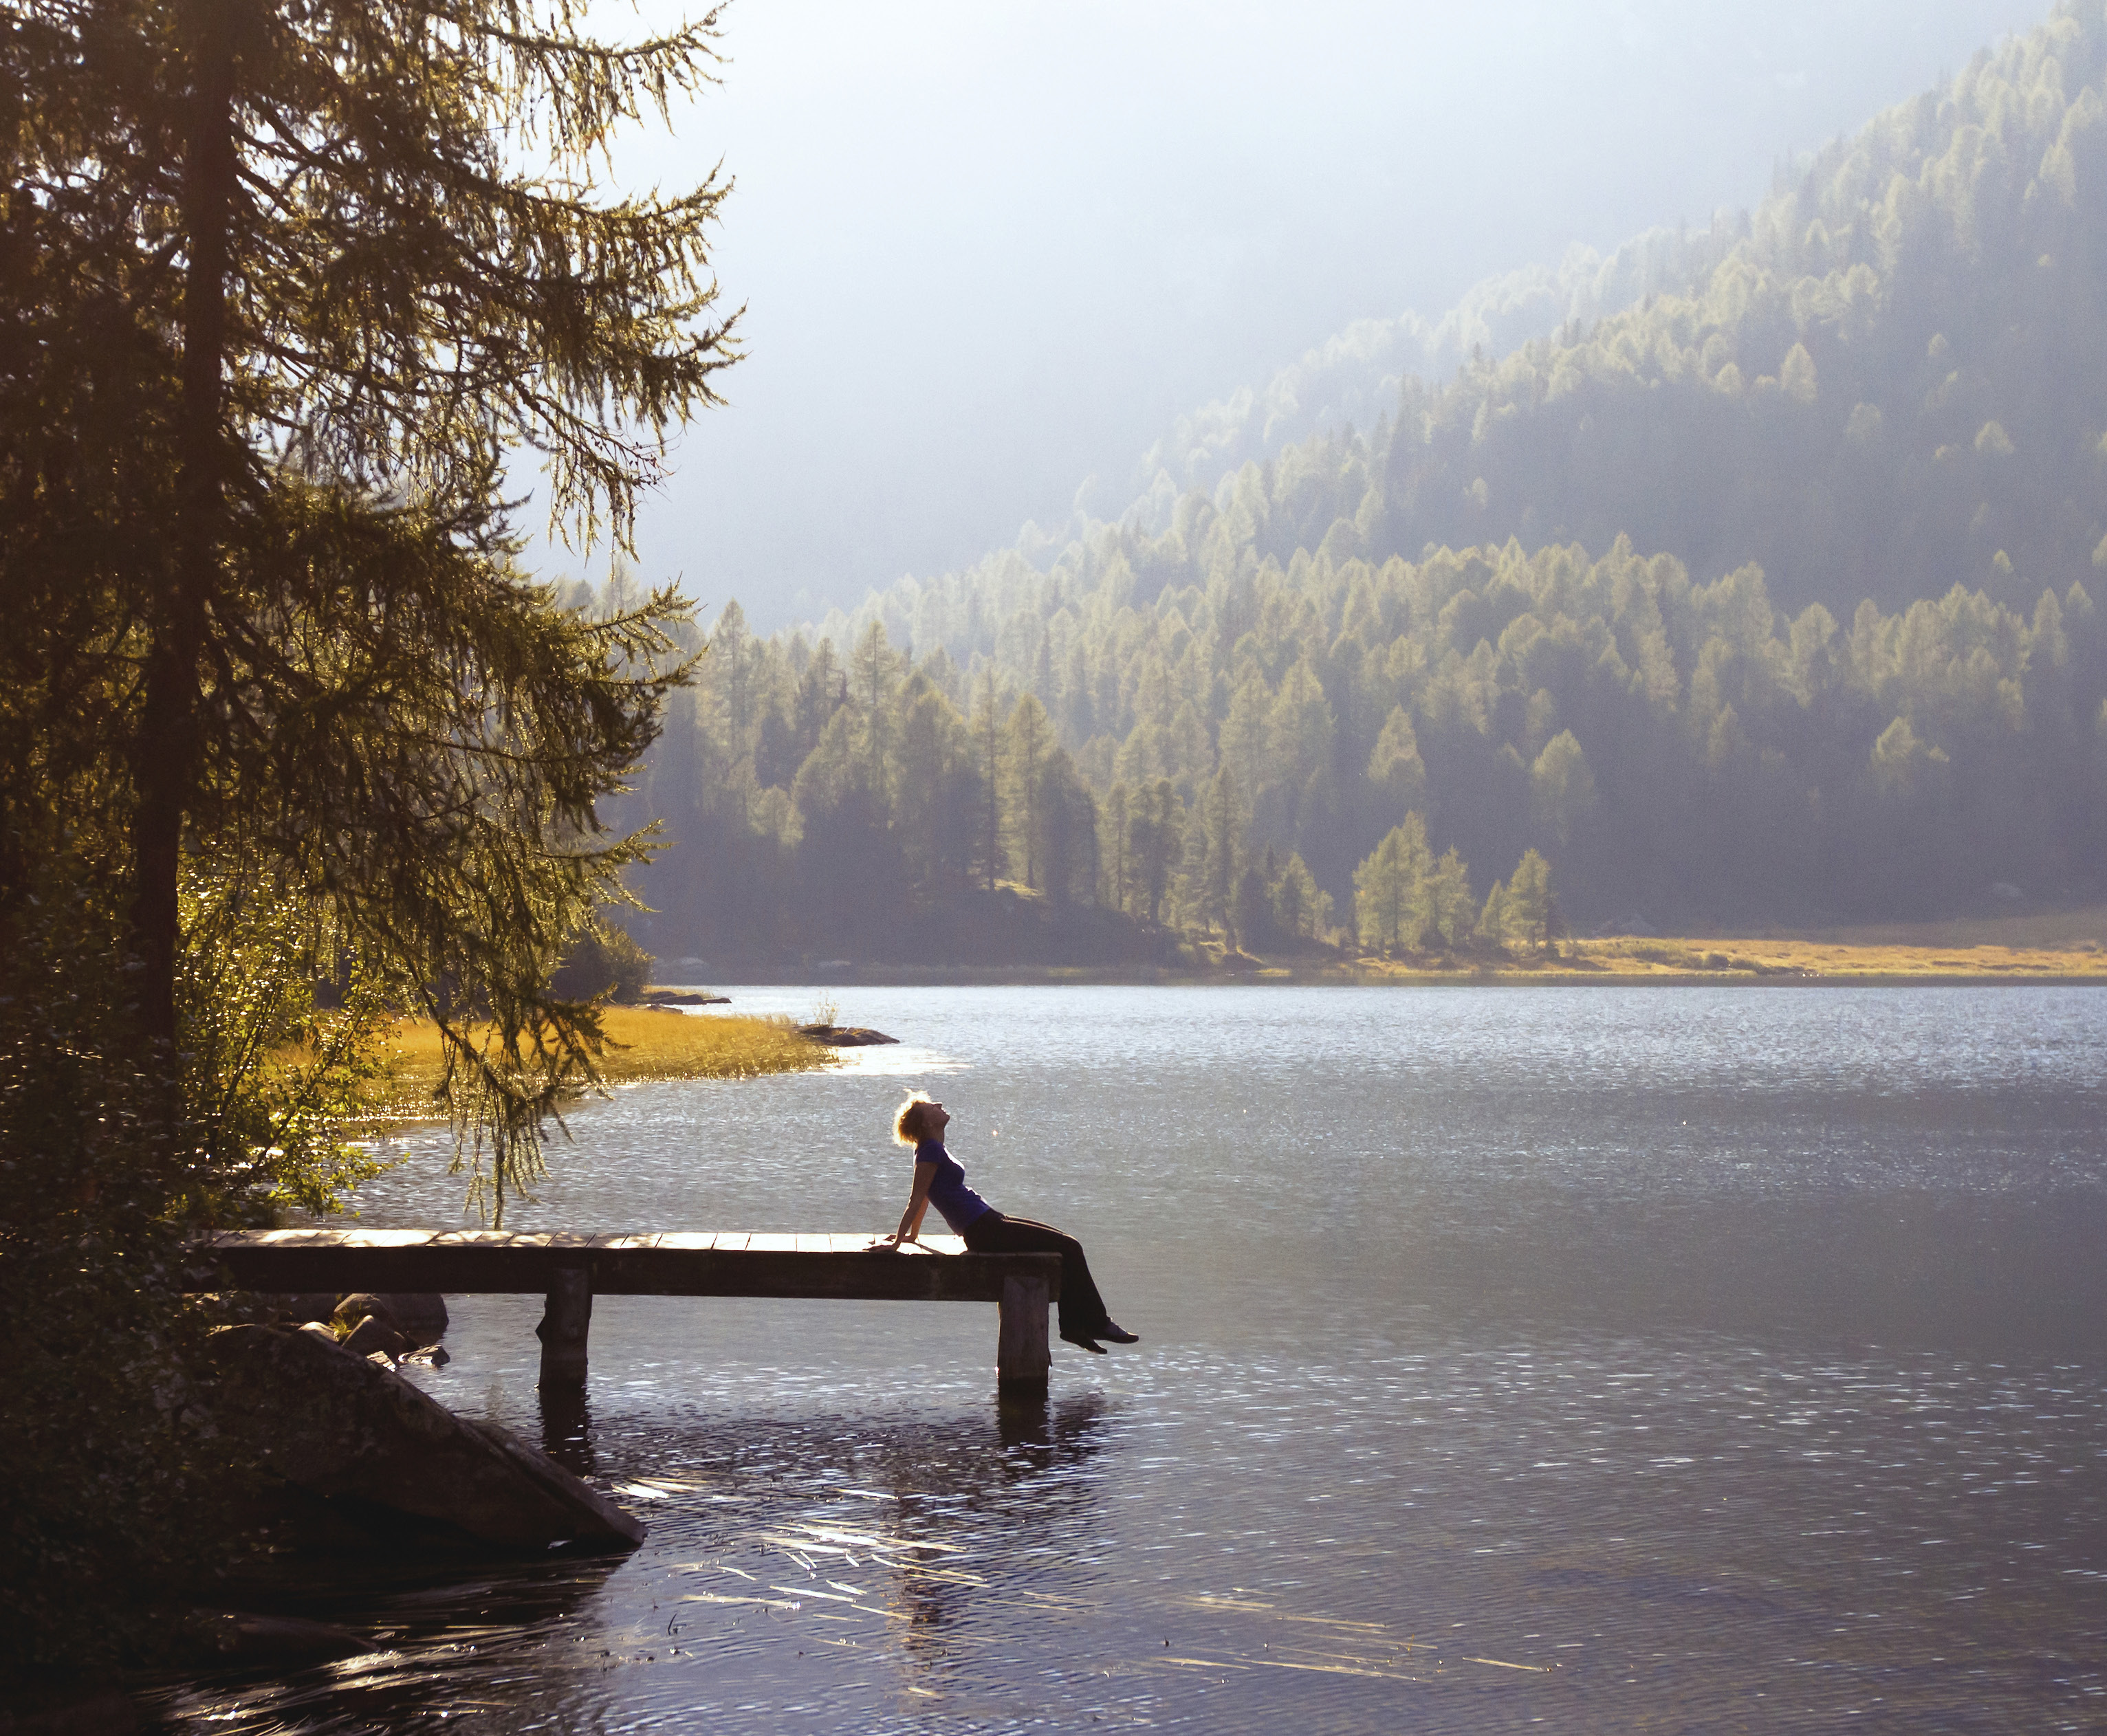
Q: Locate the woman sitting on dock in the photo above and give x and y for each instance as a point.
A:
(940, 1179)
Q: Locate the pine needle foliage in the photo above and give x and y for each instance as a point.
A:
(283, 288)
(420, 274)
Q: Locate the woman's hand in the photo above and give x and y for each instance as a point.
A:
(917, 1202)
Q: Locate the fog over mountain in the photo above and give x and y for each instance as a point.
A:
(988, 254)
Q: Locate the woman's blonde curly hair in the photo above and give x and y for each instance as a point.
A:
(907, 1125)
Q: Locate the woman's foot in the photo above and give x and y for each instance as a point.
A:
(1113, 1332)
(1082, 1342)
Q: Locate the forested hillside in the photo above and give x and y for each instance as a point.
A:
(1898, 372)
(1355, 377)
(1771, 605)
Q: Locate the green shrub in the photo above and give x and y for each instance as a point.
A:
(603, 960)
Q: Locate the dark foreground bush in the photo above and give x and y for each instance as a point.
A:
(106, 1464)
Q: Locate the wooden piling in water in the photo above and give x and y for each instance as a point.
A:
(1022, 1356)
(566, 1322)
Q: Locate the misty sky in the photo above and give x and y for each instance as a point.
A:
(989, 249)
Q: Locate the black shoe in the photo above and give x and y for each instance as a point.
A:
(1082, 1342)
(1115, 1333)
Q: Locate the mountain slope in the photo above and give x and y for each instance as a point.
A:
(1354, 379)
(1900, 374)
(1892, 373)
(1766, 601)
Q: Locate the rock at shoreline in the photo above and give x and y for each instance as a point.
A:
(682, 997)
(844, 1036)
(336, 1425)
(420, 1319)
(372, 1335)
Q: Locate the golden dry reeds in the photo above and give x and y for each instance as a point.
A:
(644, 1044)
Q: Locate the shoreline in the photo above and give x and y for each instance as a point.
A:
(991, 976)
(1942, 961)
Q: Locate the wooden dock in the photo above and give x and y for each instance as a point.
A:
(568, 1270)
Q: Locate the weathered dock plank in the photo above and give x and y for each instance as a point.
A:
(569, 1269)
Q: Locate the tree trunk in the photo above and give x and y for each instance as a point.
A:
(166, 757)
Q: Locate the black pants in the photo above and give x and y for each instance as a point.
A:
(1082, 1309)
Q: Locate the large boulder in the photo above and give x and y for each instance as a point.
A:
(337, 1425)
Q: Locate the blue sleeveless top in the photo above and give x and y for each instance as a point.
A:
(948, 1192)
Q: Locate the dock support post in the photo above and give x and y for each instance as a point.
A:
(1022, 1355)
(565, 1321)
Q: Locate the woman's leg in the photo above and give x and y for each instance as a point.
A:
(1082, 1309)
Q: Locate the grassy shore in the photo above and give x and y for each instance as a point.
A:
(1729, 957)
(644, 1043)
(2067, 946)
(2034, 946)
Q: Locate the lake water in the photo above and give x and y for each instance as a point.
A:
(1595, 1358)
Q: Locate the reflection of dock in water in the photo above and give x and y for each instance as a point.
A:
(570, 1269)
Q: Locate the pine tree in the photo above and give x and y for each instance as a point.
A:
(988, 861)
(1450, 909)
(333, 183)
(1302, 912)
(1561, 786)
(334, 300)
(1027, 743)
(731, 672)
(877, 678)
(1390, 908)
(1068, 832)
(1492, 920)
(1396, 767)
(936, 795)
(822, 691)
(1243, 734)
(1120, 886)
(1251, 911)
(1214, 853)
(1529, 901)
(1156, 832)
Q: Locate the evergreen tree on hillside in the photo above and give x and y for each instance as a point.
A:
(1492, 926)
(1029, 775)
(1529, 907)
(1214, 854)
(1451, 910)
(1391, 911)
(1121, 886)
(1300, 910)
(1156, 834)
(989, 858)
(939, 794)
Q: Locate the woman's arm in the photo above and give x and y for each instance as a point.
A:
(918, 1203)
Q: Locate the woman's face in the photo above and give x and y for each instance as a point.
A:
(934, 1121)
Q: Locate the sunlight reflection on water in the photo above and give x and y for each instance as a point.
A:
(1703, 1357)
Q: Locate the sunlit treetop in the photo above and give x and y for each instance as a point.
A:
(424, 265)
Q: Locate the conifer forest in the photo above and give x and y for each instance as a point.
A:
(1764, 597)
